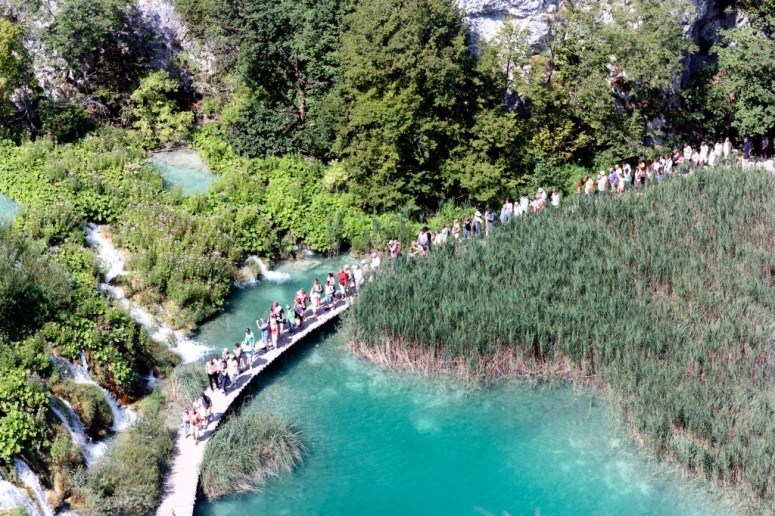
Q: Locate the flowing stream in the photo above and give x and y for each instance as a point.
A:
(31, 481)
(91, 450)
(395, 443)
(13, 497)
(114, 265)
(123, 417)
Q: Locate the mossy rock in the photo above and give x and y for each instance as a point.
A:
(88, 401)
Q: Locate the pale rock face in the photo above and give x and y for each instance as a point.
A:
(487, 16)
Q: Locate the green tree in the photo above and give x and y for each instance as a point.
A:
(747, 70)
(620, 72)
(406, 98)
(154, 112)
(105, 46)
(14, 62)
(287, 61)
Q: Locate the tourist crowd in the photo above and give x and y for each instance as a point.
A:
(224, 370)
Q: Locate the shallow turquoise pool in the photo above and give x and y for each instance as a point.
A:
(386, 443)
(184, 168)
(9, 209)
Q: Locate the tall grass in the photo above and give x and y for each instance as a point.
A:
(247, 451)
(666, 298)
(187, 382)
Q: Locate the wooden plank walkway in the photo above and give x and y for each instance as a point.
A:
(180, 486)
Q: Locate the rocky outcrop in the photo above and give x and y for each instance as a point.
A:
(487, 16)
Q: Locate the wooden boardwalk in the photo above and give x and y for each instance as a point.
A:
(180, 486)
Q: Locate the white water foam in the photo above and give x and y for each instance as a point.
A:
(91, 450)
(123, 417)
(188, 349)
(31, 480)
(12, 497)
(273, 276)
(106, 252)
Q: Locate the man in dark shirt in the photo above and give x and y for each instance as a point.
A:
(747, 148)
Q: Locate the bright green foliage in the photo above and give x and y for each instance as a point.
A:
(14, 62)
(405, 98)
(665, 297)
(154, 111)
(747, 69)
(247, 451)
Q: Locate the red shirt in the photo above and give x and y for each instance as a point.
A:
(343, 278)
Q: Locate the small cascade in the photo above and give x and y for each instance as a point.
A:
(273, 276)
(189, 349)
(91, 450)
(12, 497)
(123, 417)
(107, 253)
(31, 480)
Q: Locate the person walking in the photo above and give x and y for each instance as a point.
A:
(233, 369)
(291, 318)
(316, 293)
(456, 230)
(263, 327)
(330, 289)
(727, 150)
(478, 222)
(237, 352)
(223, 376)
(274, 331)
(211, 368)
(249, 346)
(467, 228)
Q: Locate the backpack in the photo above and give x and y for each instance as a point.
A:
(206, 401)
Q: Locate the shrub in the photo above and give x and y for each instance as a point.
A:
(128, 479)
(247, 451)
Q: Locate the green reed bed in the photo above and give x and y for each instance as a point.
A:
(666, 298)
(247, 451)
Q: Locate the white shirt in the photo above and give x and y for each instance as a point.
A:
(375, 263)
(556, 200)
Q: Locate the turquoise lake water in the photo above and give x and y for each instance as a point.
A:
(184, 168)
(8, 209)
(388, 443)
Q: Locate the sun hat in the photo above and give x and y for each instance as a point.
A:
(226, 350)
(478, 213)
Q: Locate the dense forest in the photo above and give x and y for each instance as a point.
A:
(330, 124)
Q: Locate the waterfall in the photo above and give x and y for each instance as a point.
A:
(189, 349)
(31, 480)
(273, 276)
(123, 417)
(12, 497)
(91, 450)
(107, 253)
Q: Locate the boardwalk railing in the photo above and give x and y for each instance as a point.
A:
(180, 486)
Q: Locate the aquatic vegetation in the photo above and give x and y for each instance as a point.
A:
(247, 451)
(664, 298)
(187, 382)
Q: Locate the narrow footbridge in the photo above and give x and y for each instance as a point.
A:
(180, 486)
